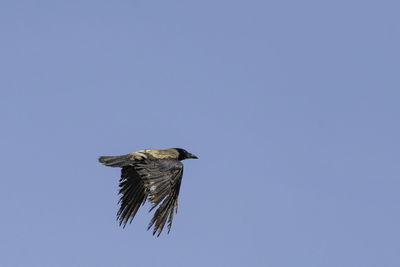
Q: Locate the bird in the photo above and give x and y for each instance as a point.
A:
(150, 174)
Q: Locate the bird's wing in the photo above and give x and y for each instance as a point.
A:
(133, 194)
(162, 179)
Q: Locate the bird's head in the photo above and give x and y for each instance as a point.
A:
(183, 154)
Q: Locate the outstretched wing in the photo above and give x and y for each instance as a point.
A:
(133, 194)
(162, 178)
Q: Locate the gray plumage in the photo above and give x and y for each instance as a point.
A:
(153, 174)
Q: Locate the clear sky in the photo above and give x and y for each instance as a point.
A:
(291, 106)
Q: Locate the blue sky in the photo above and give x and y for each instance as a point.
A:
(291, 106)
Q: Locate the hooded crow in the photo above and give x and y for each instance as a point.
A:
(153, 174)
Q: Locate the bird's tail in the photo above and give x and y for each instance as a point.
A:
(116, 161)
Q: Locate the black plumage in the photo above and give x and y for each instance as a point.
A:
(153, 174)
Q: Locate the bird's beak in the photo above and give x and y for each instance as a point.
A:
(191, 156)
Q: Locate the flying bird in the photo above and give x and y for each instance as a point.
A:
(153, 174)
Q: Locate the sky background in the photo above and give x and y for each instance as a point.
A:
(291, 106)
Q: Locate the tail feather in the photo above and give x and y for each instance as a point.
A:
(116, 161)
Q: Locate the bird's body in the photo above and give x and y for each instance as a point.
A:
(153, 174)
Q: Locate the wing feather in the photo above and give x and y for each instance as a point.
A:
(163, 179)
(133, 194)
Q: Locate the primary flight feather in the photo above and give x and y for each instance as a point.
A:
(153, 174)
